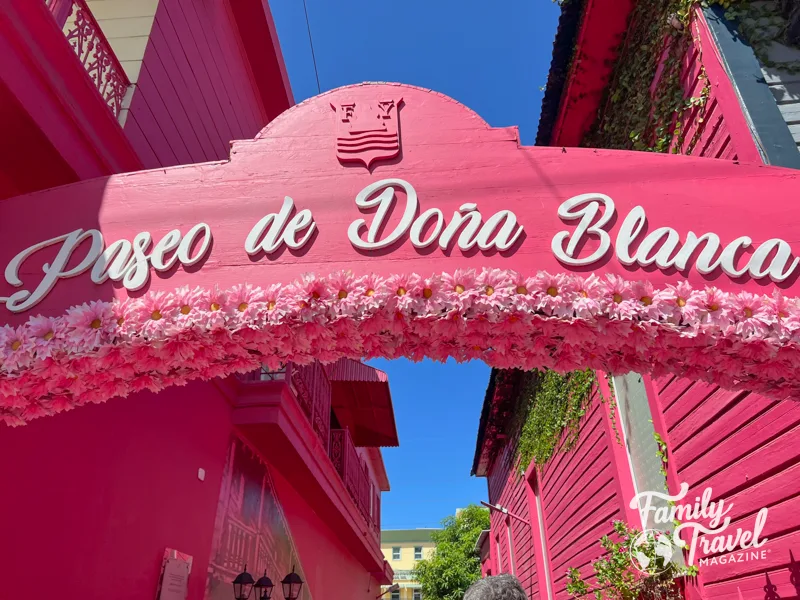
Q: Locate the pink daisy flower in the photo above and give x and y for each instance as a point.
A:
(189, 304)
(403, 292)
(154, 313)
(494, 290)
(521, 290)
(345, 293)
(432, 299)
(784, 313)
(214, 306)
(713, 305)
(90, 325)
(370, 292)
(585, 303)
(554, 293)
(651, 303)
(686, 302)
(16, 347)
(246, 304)
(459, 287)
(616, 297)
(751, 315)
(47, 335)
(275, 303)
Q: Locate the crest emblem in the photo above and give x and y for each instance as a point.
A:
(367, 132)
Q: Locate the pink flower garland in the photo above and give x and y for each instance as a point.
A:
(100, 350)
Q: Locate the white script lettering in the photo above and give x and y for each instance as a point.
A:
(123, 260)
(662, 246)
(467, 228)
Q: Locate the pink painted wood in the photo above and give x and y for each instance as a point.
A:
(451, 157)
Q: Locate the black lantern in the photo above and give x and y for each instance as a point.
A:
(292, 585)
(243, 585)
(263, 587)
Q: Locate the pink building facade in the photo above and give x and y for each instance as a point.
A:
(273, 470)
(740, 445)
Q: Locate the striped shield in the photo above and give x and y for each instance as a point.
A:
(367, 132)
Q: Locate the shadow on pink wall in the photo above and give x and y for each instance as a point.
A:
(250, 528)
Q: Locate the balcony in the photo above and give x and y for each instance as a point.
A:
(286, 415)
(310, 386)
(94, 52)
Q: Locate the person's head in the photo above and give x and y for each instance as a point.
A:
(499, 587)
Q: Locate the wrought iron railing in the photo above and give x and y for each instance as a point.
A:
(312, 389)
(93, 50)
(310, 386)
(355, 475)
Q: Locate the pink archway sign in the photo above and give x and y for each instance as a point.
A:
(388, 220)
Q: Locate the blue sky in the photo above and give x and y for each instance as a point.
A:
(493, 57)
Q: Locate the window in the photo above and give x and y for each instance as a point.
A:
(396, 595)
(417, 595)
(638, 434)
(396, 553)
(417, 552)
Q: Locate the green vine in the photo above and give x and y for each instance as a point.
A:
(651, 118)
(612, 407)
(661, 453)
(653, 577)
(555, 405)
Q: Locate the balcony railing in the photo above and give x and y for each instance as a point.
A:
(312, 389)
(93, 50)
(355, 474)
(310, 386)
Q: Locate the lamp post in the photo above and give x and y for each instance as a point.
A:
(292, 585)
(263, 587)
(243, 585)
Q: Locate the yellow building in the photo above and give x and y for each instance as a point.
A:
(402, 548)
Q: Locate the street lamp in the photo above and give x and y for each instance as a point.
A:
(243, 585)
(264, 587)
(291, 586)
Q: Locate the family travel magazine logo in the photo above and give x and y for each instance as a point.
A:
(702, 526)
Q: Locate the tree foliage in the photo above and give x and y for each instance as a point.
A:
(454, 565)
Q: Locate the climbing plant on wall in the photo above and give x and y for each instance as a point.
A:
(553, 406)
(646, 100)
(638, 115)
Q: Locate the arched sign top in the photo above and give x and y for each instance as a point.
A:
(399, 184)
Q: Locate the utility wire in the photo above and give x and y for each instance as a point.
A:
(311, 42)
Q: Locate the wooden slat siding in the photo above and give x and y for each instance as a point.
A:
(580, 499)
(744, 446)
(704, 131)
(140, 142)
(166, 96)
(153, 134)
(176, 70)
(508, 489)
(195, 92)
(703, 415)
(179, 67)
(149, 93)
(683, 405)
(206, 28)
(208, 19)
